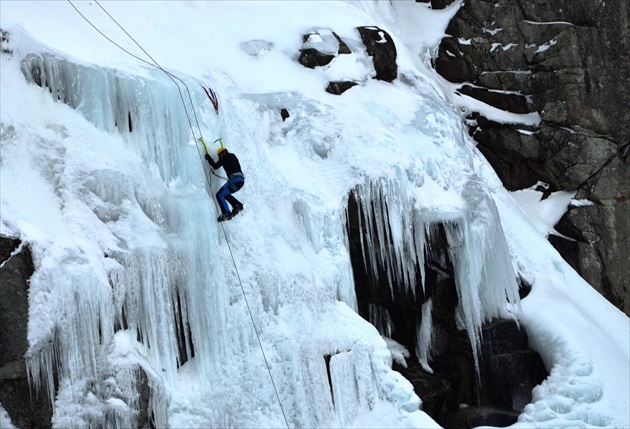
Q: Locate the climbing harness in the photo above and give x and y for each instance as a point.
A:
(215, 102)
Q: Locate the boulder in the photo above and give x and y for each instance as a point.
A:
(312, 58)
(339, 88)
(382, 49)
(320, 47)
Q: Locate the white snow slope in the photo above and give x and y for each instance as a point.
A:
(121, 218)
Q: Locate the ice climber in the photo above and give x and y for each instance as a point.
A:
(235, 182)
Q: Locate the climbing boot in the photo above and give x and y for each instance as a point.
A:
(237, 210)
(224, 217)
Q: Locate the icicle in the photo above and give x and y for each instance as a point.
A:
(40, 368)
(147, 113)
(395, 236)
(380, 318)
(424, 336)
(484, 276)
(391, 231)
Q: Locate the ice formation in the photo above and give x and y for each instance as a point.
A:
(151, 282)
(395, 225)
(138, 291)
(138, 308)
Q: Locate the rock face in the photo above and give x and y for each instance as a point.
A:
(567, 61)
(25, 409)
(27, 406)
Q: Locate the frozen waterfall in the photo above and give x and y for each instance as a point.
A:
(139, 303)
(157, 278)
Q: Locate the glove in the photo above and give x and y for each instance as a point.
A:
(208, 157)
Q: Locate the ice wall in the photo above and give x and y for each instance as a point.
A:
(136, 306)
(154, 281)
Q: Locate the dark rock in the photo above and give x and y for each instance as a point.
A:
(451, 63)
(14, 275)
(26, 409)
(574, 157)
(590, 252)
(339, 88)
(510, 102)
(508, 372)
(312, 58)
(437, 393)
(145, 419)
(517, 155)
(343, 48)
(437, 4)
(284, 113)
(15, 370)
(510, 368)
(382, 49)
(624, 151)
(320, 52)
(475, 416)
(524, 288)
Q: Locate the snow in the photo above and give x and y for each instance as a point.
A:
(500, 45)
(545, 46)
(544, 212)
(548, 22)
(120, 217)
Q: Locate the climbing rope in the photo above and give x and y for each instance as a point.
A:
(158, 66)
(208, 179)
(154, 64)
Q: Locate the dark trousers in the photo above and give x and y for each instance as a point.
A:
(224, 194)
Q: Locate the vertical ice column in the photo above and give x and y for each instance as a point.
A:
(199, 278)
(344, 388)
(484, 275)
(424, 336)
(149, 307)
